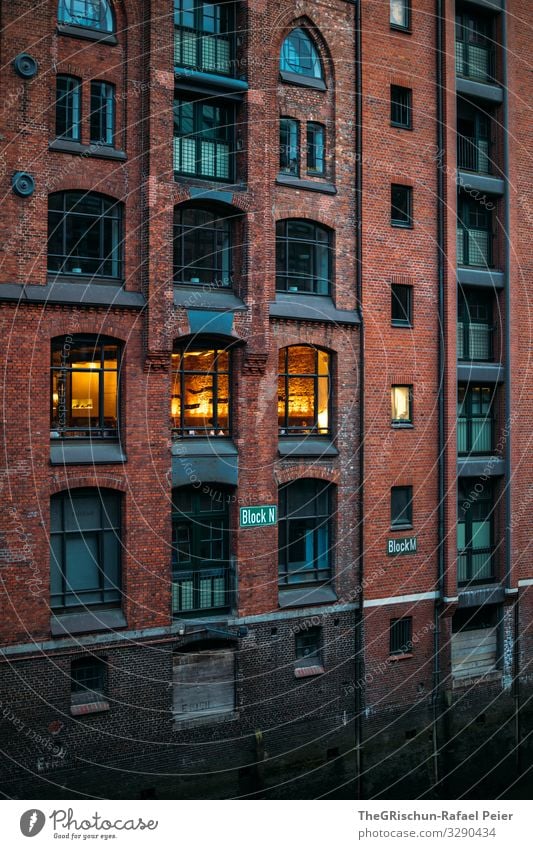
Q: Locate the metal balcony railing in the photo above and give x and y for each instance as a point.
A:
(475, 564)
(474, 247)
(202, 157)
(202, 590)
(205, 52)
(474, 154)
(475, 61)
(475, 341)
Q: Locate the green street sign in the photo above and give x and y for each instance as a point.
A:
(258, 517)
(407, 545)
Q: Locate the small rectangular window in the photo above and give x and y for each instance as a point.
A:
(401, 305)
(316, 142)
(399, 14)
(401, 214)
(401, 404)
(68, 108)
(400, 635)
(289, 147)
(401, 106)
(401, 506)
(88, 685)
(307, 647)
(102, 112)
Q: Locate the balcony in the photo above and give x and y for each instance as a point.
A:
(475, 435)
(474, 154)
(202, 591)
(475, 61)
(475, 565)
(208, 53)
(475, 341)
(474, 247)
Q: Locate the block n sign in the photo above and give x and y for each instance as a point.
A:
(258, 517)
(407, 545)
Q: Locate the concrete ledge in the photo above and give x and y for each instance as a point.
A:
(202, 460)
(480, 372)
(483, 91)
(301, 80)
(89, 707)
(87, 621)
(198, 297)
(308, 185)
(87, 33)
(303, 307)
(81, 293)
(477, 596)
(473, 467)
(306, 446)
(85, 452)
(308, 671)
(481, 182)
(101, 151)
(481, 277)
(302, 596)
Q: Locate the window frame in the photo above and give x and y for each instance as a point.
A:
(465, 412)
(102, 114)
(400, 636)
(82, 694)
(402, 322)
(401, 519)
(308, 638)
(283, 238)
(312, 146)
(111, 214)
(68, 19)
(228, 124)
(179, 374)
(226, 36)
(65, 371)
(468, 301)
(406, 27)
(407, 223)
(406, 108)
(223, 222)
(484, 498)
(59, 569)
(62, 102)
(316, 574)
(285, 377)
(408, 422)
(289, 71)
(293, 125)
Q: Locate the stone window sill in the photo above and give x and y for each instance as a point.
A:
(209, 719)
(401, 527)
(89, 707)
(308, 671)
(393, 658)
(100, 151)
(301, 80)
(87, 33)
(309, 185)
(402, 425)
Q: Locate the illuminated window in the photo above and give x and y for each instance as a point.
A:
(299, 56)
(92, 14)
(401, 404)
(303, 391)
(84, 387)
(200, 403)
(399, 14)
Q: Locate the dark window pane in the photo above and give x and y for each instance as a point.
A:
(401, 304)
(85, 238)
(68, 108)
(204, 139)
(401, 203)
(401, 114)
(305, 532)
(102, 112)
(400, 635)
(401, 505)
(316, 141)
(303, 257)
(289, 148)
(202, 247)
(399, 13)
(299, 55)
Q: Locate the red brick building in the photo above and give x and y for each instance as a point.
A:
(265, 468)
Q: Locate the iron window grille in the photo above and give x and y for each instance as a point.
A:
(87, 681)
(203, 247)
(68, 108)
(401, 635)
(400, 14)
(84, 387)
(401, 305)
(289, 147)
(401, 405)
(102, 123)
(201, 574)
(91, 14)
(84, 234)
(305, 532)
(303, 257)
(304, 391)
(204, 139)
(401, 507)
(474, 235)
(475, 420)
(316, 147)
(475, 328)
(475, 531)
(201, 403)
(474, 48)
(401, 113)
(300, 56)
(401, 206)
(204, 36)
(85, 546)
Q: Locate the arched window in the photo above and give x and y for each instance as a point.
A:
(85, 531)
(202, 247)
(300, 56)
(304, 391)
(91, 14)
(84, 399)
(200, 549)
(200, 403)
(84, 234)
(303, 257)
(305, 532)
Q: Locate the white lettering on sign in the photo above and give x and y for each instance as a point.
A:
(402, 546)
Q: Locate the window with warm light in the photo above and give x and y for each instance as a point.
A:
(304, 391)
(401, 404)
(84, 387)
(200, 404)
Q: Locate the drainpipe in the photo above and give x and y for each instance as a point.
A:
(440, 87)
(359, 647)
